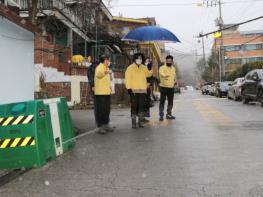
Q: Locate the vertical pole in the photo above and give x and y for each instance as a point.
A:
(85, 48)
(96, 47)
(70, 40)
(203, 45)
(222, 54)
(220, 63)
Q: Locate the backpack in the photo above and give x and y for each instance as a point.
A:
(91, 73)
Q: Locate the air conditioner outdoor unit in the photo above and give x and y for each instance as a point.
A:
(14, 3)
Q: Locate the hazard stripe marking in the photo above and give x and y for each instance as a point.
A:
(28, 119)
(25, 141)
(5, 143)
(17, 142)
(14, 144)
(16, 120)
(22, 120)
(8, 121)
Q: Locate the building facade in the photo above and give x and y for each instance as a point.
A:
(240, 47)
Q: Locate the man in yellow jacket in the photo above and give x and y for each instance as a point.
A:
(167, 74)
(102, 92)
(136, 84)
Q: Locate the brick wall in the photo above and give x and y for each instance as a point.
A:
(51, 55)
(59, 89)
(84, 93)
(80, 71)
(121, 95)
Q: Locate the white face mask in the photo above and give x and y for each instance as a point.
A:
(138, 61)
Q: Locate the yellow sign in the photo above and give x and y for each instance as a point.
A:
(217, 35)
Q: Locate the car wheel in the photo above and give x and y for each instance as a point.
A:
(261, 103)
(228, 96)
(245, 100)
(235, 97)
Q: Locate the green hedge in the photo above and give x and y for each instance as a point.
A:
(242, 71)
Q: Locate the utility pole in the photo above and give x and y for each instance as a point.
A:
(220, 24)
(222, 50)
(203, 45)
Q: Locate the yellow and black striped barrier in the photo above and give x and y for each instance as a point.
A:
(29, 137)
(17, 142)
(18, 120)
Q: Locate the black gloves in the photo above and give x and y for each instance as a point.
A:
(149, 66)
(130, 92)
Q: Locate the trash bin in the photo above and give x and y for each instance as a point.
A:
(26, 137)
(63, 131)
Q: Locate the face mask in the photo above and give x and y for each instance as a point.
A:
(169, 64)
(138, 61)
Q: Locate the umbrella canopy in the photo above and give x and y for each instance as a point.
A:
(150, 33)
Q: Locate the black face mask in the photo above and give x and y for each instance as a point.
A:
(169, 64)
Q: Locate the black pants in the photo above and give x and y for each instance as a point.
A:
(137, 104)
(169, 94)
(102, 108)
(147, 103)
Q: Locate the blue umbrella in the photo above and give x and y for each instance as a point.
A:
(150, 34)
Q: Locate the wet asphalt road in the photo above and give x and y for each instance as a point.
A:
(213, 148)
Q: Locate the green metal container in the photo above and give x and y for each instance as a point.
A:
(26, 137)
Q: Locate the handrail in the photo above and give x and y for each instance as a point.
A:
(58, 5)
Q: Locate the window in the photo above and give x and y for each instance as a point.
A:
(234, 61)
(250, 47)
(260, 74)
(248, 76)
(255, 75)
(233, 48)
(253, 59)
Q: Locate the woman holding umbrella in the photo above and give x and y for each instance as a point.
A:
(136, 84)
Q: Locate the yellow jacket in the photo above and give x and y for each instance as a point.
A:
(167, 76)
(102, 80)
(135, 78)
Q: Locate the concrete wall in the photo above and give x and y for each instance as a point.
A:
(17, 63)
(76, 88)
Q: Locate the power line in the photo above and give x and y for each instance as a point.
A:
(179, 4)
(226, 28)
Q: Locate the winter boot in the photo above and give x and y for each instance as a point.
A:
(141, 117)
(134, 125)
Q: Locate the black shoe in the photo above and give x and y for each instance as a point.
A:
(145, 120)
(140, 123)
(101, 131)
(170, 117)
(109, 128)
(134, 125)
(161, 119)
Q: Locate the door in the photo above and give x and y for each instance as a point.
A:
(255, 79)
(253, 84)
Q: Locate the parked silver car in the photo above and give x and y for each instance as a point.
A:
(234, 91)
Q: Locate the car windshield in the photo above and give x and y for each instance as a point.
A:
(260, 74)
(224, 84)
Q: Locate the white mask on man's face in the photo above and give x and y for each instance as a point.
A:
(138, 61)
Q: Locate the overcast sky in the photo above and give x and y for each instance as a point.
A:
(185, 19)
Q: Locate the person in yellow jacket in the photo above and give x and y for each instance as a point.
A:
(102, 92)
(136, 84)
(167, 75)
